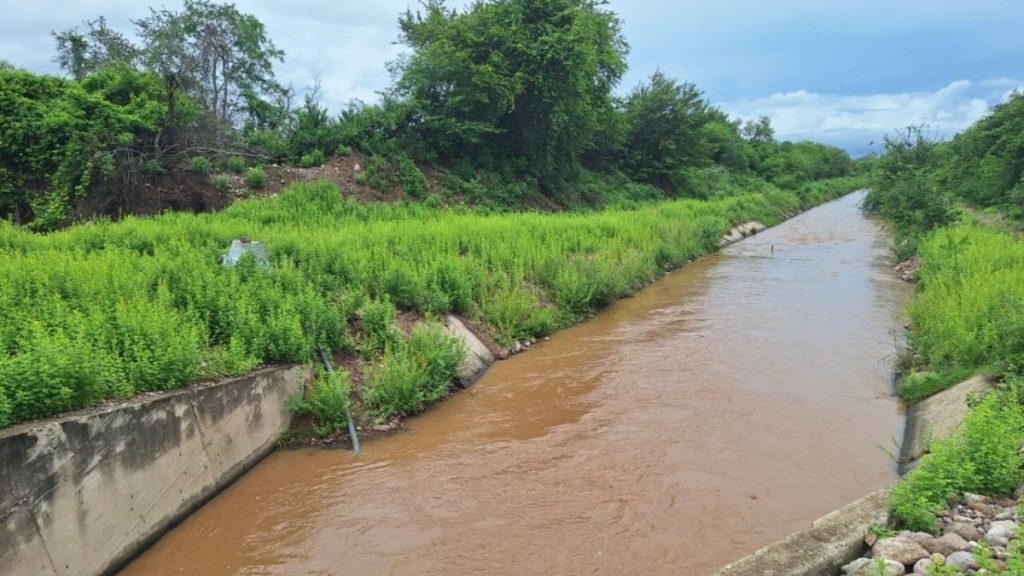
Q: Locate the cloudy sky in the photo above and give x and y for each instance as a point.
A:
(840, 72)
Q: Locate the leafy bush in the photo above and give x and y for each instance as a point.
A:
(378, 318)
(328, 402)
(60, 138)
(377, 174)
(236, 164)
(312, 159)
(256, 178)
(223, 183)
(414, 183)
(970, 312)
(413, 372)
(201, 165)
(153, 167)
(343, 150)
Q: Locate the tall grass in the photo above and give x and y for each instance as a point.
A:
(968, 316)
(105, 310)
(969, 312)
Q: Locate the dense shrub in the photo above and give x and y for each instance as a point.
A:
(328, 402)
(256, 178)
(223, 183)
(414, 183)
(312, 159)
(413, 372)
(970, 311)
(201, 165)
(236, 164)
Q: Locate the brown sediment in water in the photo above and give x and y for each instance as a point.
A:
(722, 408)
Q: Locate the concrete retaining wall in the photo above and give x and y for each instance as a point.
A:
(937, 418)
(82, 494)
(831, 542)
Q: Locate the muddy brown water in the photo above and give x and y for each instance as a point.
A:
(720, 409)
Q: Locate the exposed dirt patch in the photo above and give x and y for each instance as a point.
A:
(182, 190)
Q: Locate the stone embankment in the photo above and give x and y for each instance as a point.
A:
(741, 231)
(972, 527)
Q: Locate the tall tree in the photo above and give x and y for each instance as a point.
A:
(523, 79)
(81, 53)
(213, 52)
(664, 120)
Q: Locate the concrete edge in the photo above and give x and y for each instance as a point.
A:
(831, 542)
(937, 417)
(88, 491)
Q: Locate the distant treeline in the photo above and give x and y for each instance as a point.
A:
(510, 101)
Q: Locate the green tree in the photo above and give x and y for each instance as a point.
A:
(512, 79)
(663, 136)
(213, 52)
(80, 53)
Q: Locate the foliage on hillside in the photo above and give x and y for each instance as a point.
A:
(505, 103)
(106, 310)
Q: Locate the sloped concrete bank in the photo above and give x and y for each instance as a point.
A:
(831, 542)
(937, 418)
(85, 492)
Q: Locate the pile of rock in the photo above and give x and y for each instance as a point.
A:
(907, 271)
(969, 524)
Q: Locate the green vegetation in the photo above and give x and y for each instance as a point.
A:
(222, 183)
(110, 309)
(413, 372)
(984, 459)
(312, 160)
(201, 165)
(509, 104)
(236, 164)
(256, 178)
(967, 315)
(328, 402)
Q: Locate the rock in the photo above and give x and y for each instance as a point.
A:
(1004, 515)
(962, 561)
(382, 428)
(985, 509)
(973, 500)
(899, 549)
(946, 544)
(870, 539)
(866, 567)
(856, 567)
(502, 354)
(517, 348)
(965, 530)
(923, 566)
(919, 537)
(1008, 525)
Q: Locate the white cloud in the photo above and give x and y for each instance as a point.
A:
(854, 121)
